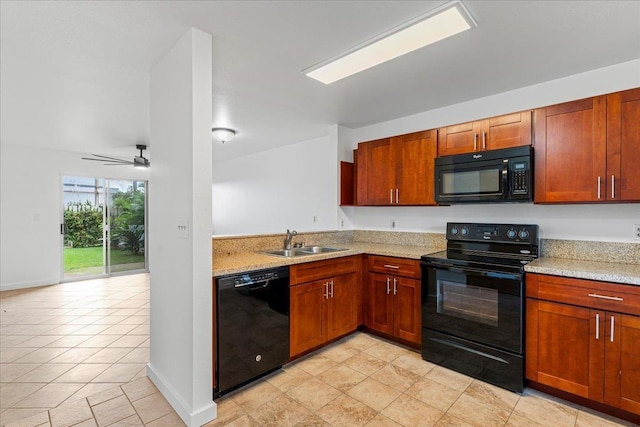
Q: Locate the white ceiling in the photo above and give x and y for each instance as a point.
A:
(75, 74)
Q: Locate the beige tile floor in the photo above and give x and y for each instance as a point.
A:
(74, 354)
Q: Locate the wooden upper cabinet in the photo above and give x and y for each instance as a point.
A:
(570, 151)
(458, 139)
(623, 146)
(396, 171)
(588, 150)
(414, 160)
(375, 174)
(509, 130)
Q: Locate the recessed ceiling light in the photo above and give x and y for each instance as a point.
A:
(440, 23)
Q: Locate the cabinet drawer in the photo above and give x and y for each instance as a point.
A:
(316, 270)
(585, 293)
(396, 266)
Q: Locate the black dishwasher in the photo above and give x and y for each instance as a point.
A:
(252, 327)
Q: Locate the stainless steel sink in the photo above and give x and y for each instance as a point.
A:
(286, 252)
(320, 249)
(303, 251)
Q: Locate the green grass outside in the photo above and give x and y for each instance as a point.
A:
(81, 258)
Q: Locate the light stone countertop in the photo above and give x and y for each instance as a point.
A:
(248, 261)
(592, 270)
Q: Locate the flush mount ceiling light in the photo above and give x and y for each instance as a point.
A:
(438, 24)
(223, 134)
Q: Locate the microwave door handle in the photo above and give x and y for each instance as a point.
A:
(505, 180)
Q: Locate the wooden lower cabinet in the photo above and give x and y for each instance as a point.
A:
(589, 351)
(393, 302)
(321, 311)
(622, 386)
(308, 316)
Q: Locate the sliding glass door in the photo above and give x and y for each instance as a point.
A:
(126, 218)
(104, 226)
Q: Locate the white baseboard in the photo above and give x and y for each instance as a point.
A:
(25, 285)
(195, 419)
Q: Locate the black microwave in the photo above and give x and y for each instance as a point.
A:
(495, 176)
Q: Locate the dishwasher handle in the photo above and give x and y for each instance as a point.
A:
(253, 285)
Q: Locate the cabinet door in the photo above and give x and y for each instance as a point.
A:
(407, 323)
(307, 316)
(415, 154)
(342, 310)
(510, 130)
(570, 151)
(622, 364)
(376, 173)
(565, 347)
(623, 146)
(458, 139)
(380, 315)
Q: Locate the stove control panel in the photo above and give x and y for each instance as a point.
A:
(504, 233)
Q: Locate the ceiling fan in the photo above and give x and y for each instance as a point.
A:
(138, 161)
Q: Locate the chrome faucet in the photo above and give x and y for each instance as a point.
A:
(287, 240)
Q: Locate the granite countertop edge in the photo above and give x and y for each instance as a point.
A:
(628, 274)
(591, 270)
(248, 261)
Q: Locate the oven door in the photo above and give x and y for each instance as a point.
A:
(485, 307)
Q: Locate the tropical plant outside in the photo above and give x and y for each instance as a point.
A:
(128, 224)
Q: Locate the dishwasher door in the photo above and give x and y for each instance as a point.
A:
(252, 327)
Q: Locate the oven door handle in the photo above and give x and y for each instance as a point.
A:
(461, 269)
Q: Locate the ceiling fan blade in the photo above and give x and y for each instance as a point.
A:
(108, 157)
(118, 164)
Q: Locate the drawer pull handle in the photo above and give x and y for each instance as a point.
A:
(597, 326)
(605, 297)
(395, 267)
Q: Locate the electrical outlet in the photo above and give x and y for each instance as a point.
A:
(315, 218)
(636, 231)
(342, 223)
(394, 224)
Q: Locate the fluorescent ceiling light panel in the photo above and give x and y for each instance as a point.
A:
(445, 21)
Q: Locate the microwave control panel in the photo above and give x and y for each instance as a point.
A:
(520, 177)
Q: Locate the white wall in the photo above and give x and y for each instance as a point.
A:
(278, 189)
(31, 210)
(575, 222)
(180, 196)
